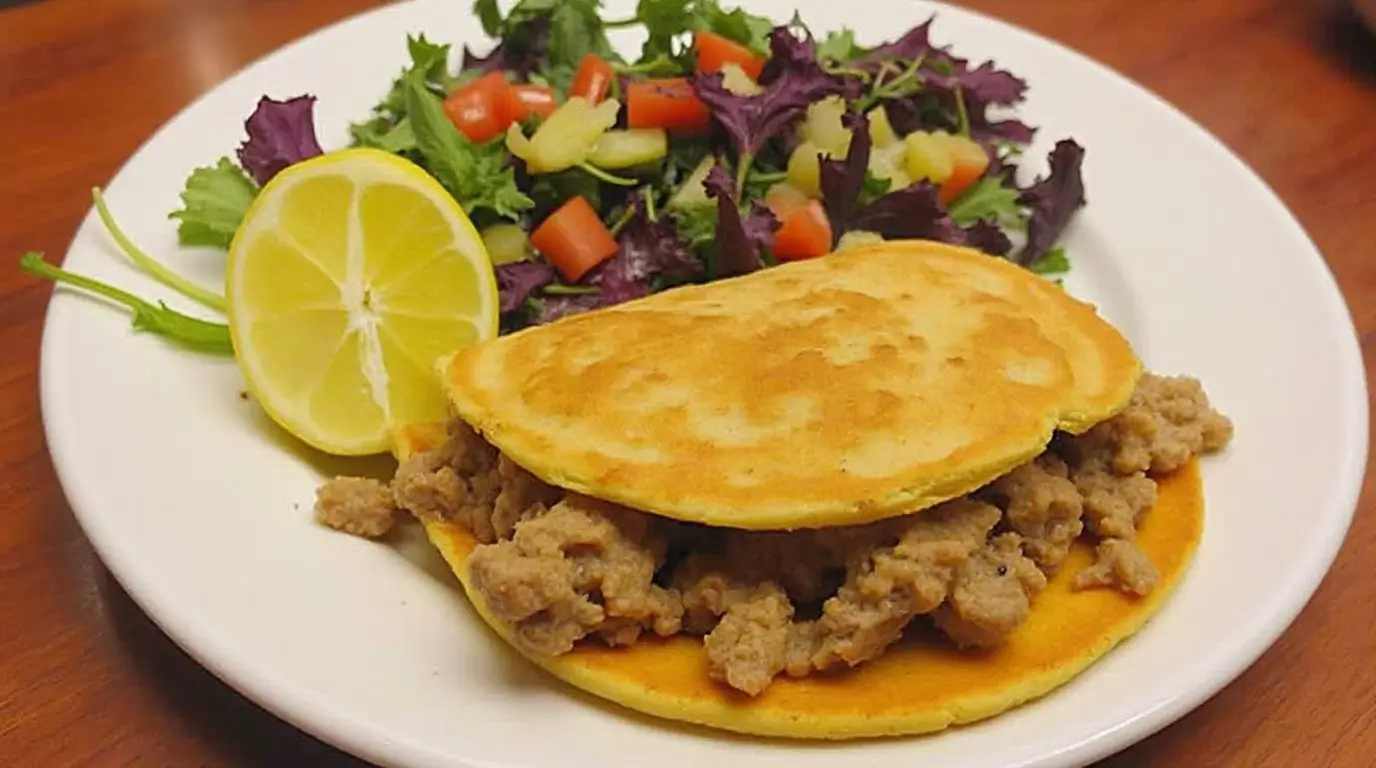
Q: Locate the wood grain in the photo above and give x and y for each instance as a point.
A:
(86, 679)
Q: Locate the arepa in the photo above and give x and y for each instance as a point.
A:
(839, 390)
(916, 487)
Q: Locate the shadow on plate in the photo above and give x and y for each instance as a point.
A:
(231, 727)
(379, 466)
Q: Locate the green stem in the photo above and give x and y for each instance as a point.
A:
(838, 69)
(771, 178)
(33, 263)
(601, 175)
(161, 273)
(742, 169)
(659, 64)
(622, 221)
(896, 88)
(961, 111)
(621, 23)
(569, 290)
(906, 74)
(650, 204)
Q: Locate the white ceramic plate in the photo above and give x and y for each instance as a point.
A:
(202, 509)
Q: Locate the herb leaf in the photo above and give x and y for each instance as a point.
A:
(1052, 262)
(745, 28)
(839, 46)
(214, 202)
(191, 332)
(398, 139)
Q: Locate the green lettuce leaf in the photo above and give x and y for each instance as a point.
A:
(988, 200)
(477, 175)
(214, 201)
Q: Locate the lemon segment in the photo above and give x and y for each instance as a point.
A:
(352, 273)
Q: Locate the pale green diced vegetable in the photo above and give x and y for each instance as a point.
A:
(805, 168)
(624, 149)
(856, 238)
(566, 137)
(822, 126)
(927, 156)
(887, 163)
(734, 79)
(882, 133)
(506, 243)
(692, 192)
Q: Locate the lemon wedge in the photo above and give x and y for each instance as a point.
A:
(351, 275)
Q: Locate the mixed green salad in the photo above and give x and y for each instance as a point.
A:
(732, 143)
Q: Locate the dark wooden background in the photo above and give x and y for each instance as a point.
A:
(86, 679)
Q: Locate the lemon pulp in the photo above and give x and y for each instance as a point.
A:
(352, 273)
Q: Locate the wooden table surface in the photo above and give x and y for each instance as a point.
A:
(86, 679)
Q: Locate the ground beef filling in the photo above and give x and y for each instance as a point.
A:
(560, 567)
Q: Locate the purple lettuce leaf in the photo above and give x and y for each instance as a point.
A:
(280, 133)
(842, 181)
(518, 280)
(920, 112)
(935, 111)
(521, 53)
(987, 84)
(798, 81)
(914, 43)
(943, 78)
(1053, 200)
(494, 61)
(649, 249)
(738, 241)
(942, 71)
(986, 132)
(915, 212)
(787, 52)
(911, 212)
(986, 236)
(617, 283)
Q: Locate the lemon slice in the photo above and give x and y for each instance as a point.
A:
(352, 273)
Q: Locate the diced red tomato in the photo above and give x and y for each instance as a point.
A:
(805, 234)
(668, 103)
(969, 162)
(480, 109)
(574, 239)
(714, 51)
(593, 78)
(523, 100)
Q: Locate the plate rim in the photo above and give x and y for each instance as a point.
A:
(315, 716)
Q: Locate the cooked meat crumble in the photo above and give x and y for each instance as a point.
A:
(560, 567)
(1041, 503)
(356, 505)
(887, 588)
(582, 567)
(991, 595)
(1120, 563)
